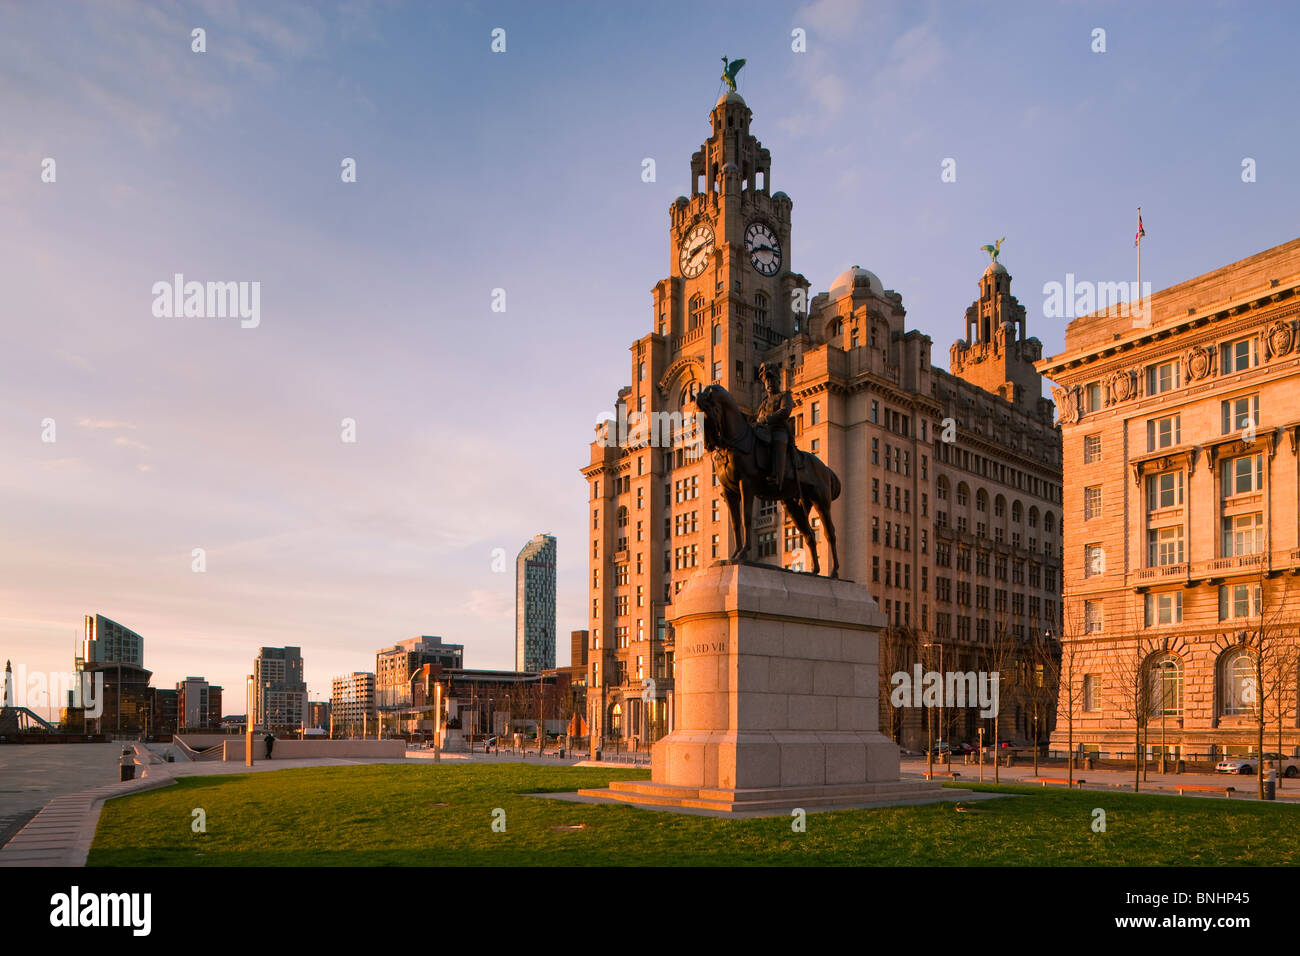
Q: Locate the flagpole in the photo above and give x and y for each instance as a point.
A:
(1139, 245)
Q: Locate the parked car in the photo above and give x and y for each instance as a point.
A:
(1289, 766)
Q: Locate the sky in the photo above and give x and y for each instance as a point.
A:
(520, 171)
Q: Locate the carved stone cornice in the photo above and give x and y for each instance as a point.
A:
(1164, 460)
(1234, 446)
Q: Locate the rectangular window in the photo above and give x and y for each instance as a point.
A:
(1094, 560)
(1239, 355)
(1164, 490)
(1164, 607)
(1162, 378)
(1239, 413)
(1238, 601)
(1243, 534)
(816, 413)
(1091, 693)
(1092, 617)
(1164, 432)
(1165, 546)
(1092, 397)
(1241, 476)
(1091, 502)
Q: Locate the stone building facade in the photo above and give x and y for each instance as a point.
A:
(950, 503)
(1181, 421)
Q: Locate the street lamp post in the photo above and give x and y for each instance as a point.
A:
(1035, 739)
(942, 728)
(981, 754)
(248, 721)
(1164, 751)
(437, 723)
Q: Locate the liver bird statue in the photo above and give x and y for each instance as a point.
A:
(994, 249)
(729, 72)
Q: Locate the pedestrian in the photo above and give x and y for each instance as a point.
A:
(270, 742)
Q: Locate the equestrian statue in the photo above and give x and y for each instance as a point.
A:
(758, 459)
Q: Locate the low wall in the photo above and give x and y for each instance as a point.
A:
(297, 749)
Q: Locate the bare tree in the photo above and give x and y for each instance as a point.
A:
(1044, 660)
(1127, 672)
(1000, 656)
(1069, 691)
(1272, 645)
(898, 651)
(1279, 681)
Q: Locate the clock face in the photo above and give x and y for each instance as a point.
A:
(764, 248)
(695, 250)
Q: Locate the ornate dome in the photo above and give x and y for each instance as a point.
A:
(996, 268)
(856, 278)
(729, 97)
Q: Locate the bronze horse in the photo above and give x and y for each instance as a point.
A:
(736, 446)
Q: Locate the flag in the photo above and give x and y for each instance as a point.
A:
(1141, 232)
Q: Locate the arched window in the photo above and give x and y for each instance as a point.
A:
(688, 395)
(999, 506)
(981, 500)
(1049, 523)
(1033, 516)
(941, 489)
(1237, 680)
(696, 311)
(1017, 512)
(616, 721)
(717, 333)
(1165, 686)
(963, 494)
(760, 309)
(837, 328)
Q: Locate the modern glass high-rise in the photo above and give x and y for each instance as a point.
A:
(281, 691)
(535, 605)
(107, 642)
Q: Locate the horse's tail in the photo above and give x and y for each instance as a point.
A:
(835, 484)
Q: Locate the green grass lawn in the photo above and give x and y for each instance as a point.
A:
(427, 814)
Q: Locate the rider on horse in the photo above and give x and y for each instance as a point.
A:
(774, 412)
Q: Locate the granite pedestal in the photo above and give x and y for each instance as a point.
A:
(776, 699)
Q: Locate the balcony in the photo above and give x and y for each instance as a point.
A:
(1161, 573)
(1216, 570)
(1238, 563)
(694, 335)
(767, 336)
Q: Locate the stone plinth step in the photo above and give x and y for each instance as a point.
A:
(767, 800)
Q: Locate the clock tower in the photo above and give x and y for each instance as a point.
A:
(729, 302)
(730, 294)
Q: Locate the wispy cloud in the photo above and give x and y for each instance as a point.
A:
(103, 423)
